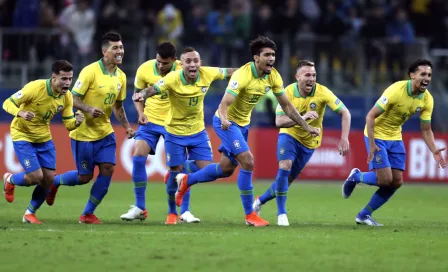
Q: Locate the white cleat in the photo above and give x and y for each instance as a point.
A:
(282, 220)
(367, 220)
(256, 206)
(188, 217)
(135, 213)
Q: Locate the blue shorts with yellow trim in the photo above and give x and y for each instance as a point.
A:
(197, 146)
(289, 148)
(392, 154)
(150, 133)
(89, 154)
(33, 156)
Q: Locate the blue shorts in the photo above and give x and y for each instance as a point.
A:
(233, 140)
(89, 154)
(150, 133)
(33, 156)
(392, 154)
(197, 146)
(289, 148)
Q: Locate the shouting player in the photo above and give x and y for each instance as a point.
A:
(99, 90)
(385, 148)
(33, 107)
(185, 129)
(295, 146)
(231, 124)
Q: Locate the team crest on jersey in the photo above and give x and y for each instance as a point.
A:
(27, 163)
(282, 151)
(118, 86)
(60, 107)
(84, 165)
(237, 145)
(18, 94)
(78, 84)
(418, 109)
(378, 159)
(313, 106)
(233, 84)
(204, 89)
(267, 89)
(337, 101)
(161, 82)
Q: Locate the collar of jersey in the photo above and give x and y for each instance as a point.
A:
(409, 90)
(173, 68)
(184, 81)
(254, 71)
(49, 91)
(104, 70)
(297, 93)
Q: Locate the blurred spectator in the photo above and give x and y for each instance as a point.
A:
(420, 16)
(263, 22)
(26, 14)
(374, 31)
(6, 11)
(170, 25)
(241, 25)
(400, 35)
(196, 27)
(44, 43)
(219, 24)
(131, 18)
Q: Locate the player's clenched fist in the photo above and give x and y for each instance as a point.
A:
(27, 115)
(225, 124)
(79, 116)
(95, 112)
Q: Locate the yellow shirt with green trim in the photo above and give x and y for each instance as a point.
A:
(100, 89)
(398, 104)
(158, 106)
(38, 97)
(317, 101)
(248, 87)
(186, 116)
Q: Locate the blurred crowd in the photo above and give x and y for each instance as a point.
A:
(333, 28)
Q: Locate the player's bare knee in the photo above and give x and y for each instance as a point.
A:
(285, 165)
(246, 161)
(178, 168)
(107, 169)
(83, 179)
(384, 177)
(396, 183)
(35, 177)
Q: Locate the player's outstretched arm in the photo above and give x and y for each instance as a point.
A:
(428, 137)
(145, 93)
(94, 112)
(223, 109)
(283, 121)
(120, 114)
(230, 72)
(292, 113)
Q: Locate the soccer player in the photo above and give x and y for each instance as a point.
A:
(99, 90)
(33, 107)
(382, 135)
(231, 124)
(185, 129)
(295, 146)
(151, 119)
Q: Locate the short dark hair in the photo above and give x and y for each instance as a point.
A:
(166, 50)
(260, 42)
(110, 37)
(303, 63)
(419, 62)
(188, 49)
(61, 65)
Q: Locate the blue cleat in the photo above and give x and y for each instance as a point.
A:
(367, 220)
(349, 184)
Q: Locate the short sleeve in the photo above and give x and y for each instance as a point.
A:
(387, 99)
(426, 113)
(333, 101)
(163, 84)
(24, 95)
(277, 87)
(139, 82)
(122, 89)
(237, 82)
(83, 83)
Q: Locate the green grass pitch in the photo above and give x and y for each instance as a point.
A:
(322, 237)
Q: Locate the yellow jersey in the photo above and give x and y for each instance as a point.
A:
(38, 97)
(248, 87)
(186, 116)
(100, 89)
(317, 101)
(158, 106)
(398, 104)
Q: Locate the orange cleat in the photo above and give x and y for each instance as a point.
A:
(172, 219)
(51, 195)
(8, 188)
(166, 176)
(182, 182)
(253, 219)
(31, 219)
(89, 219)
